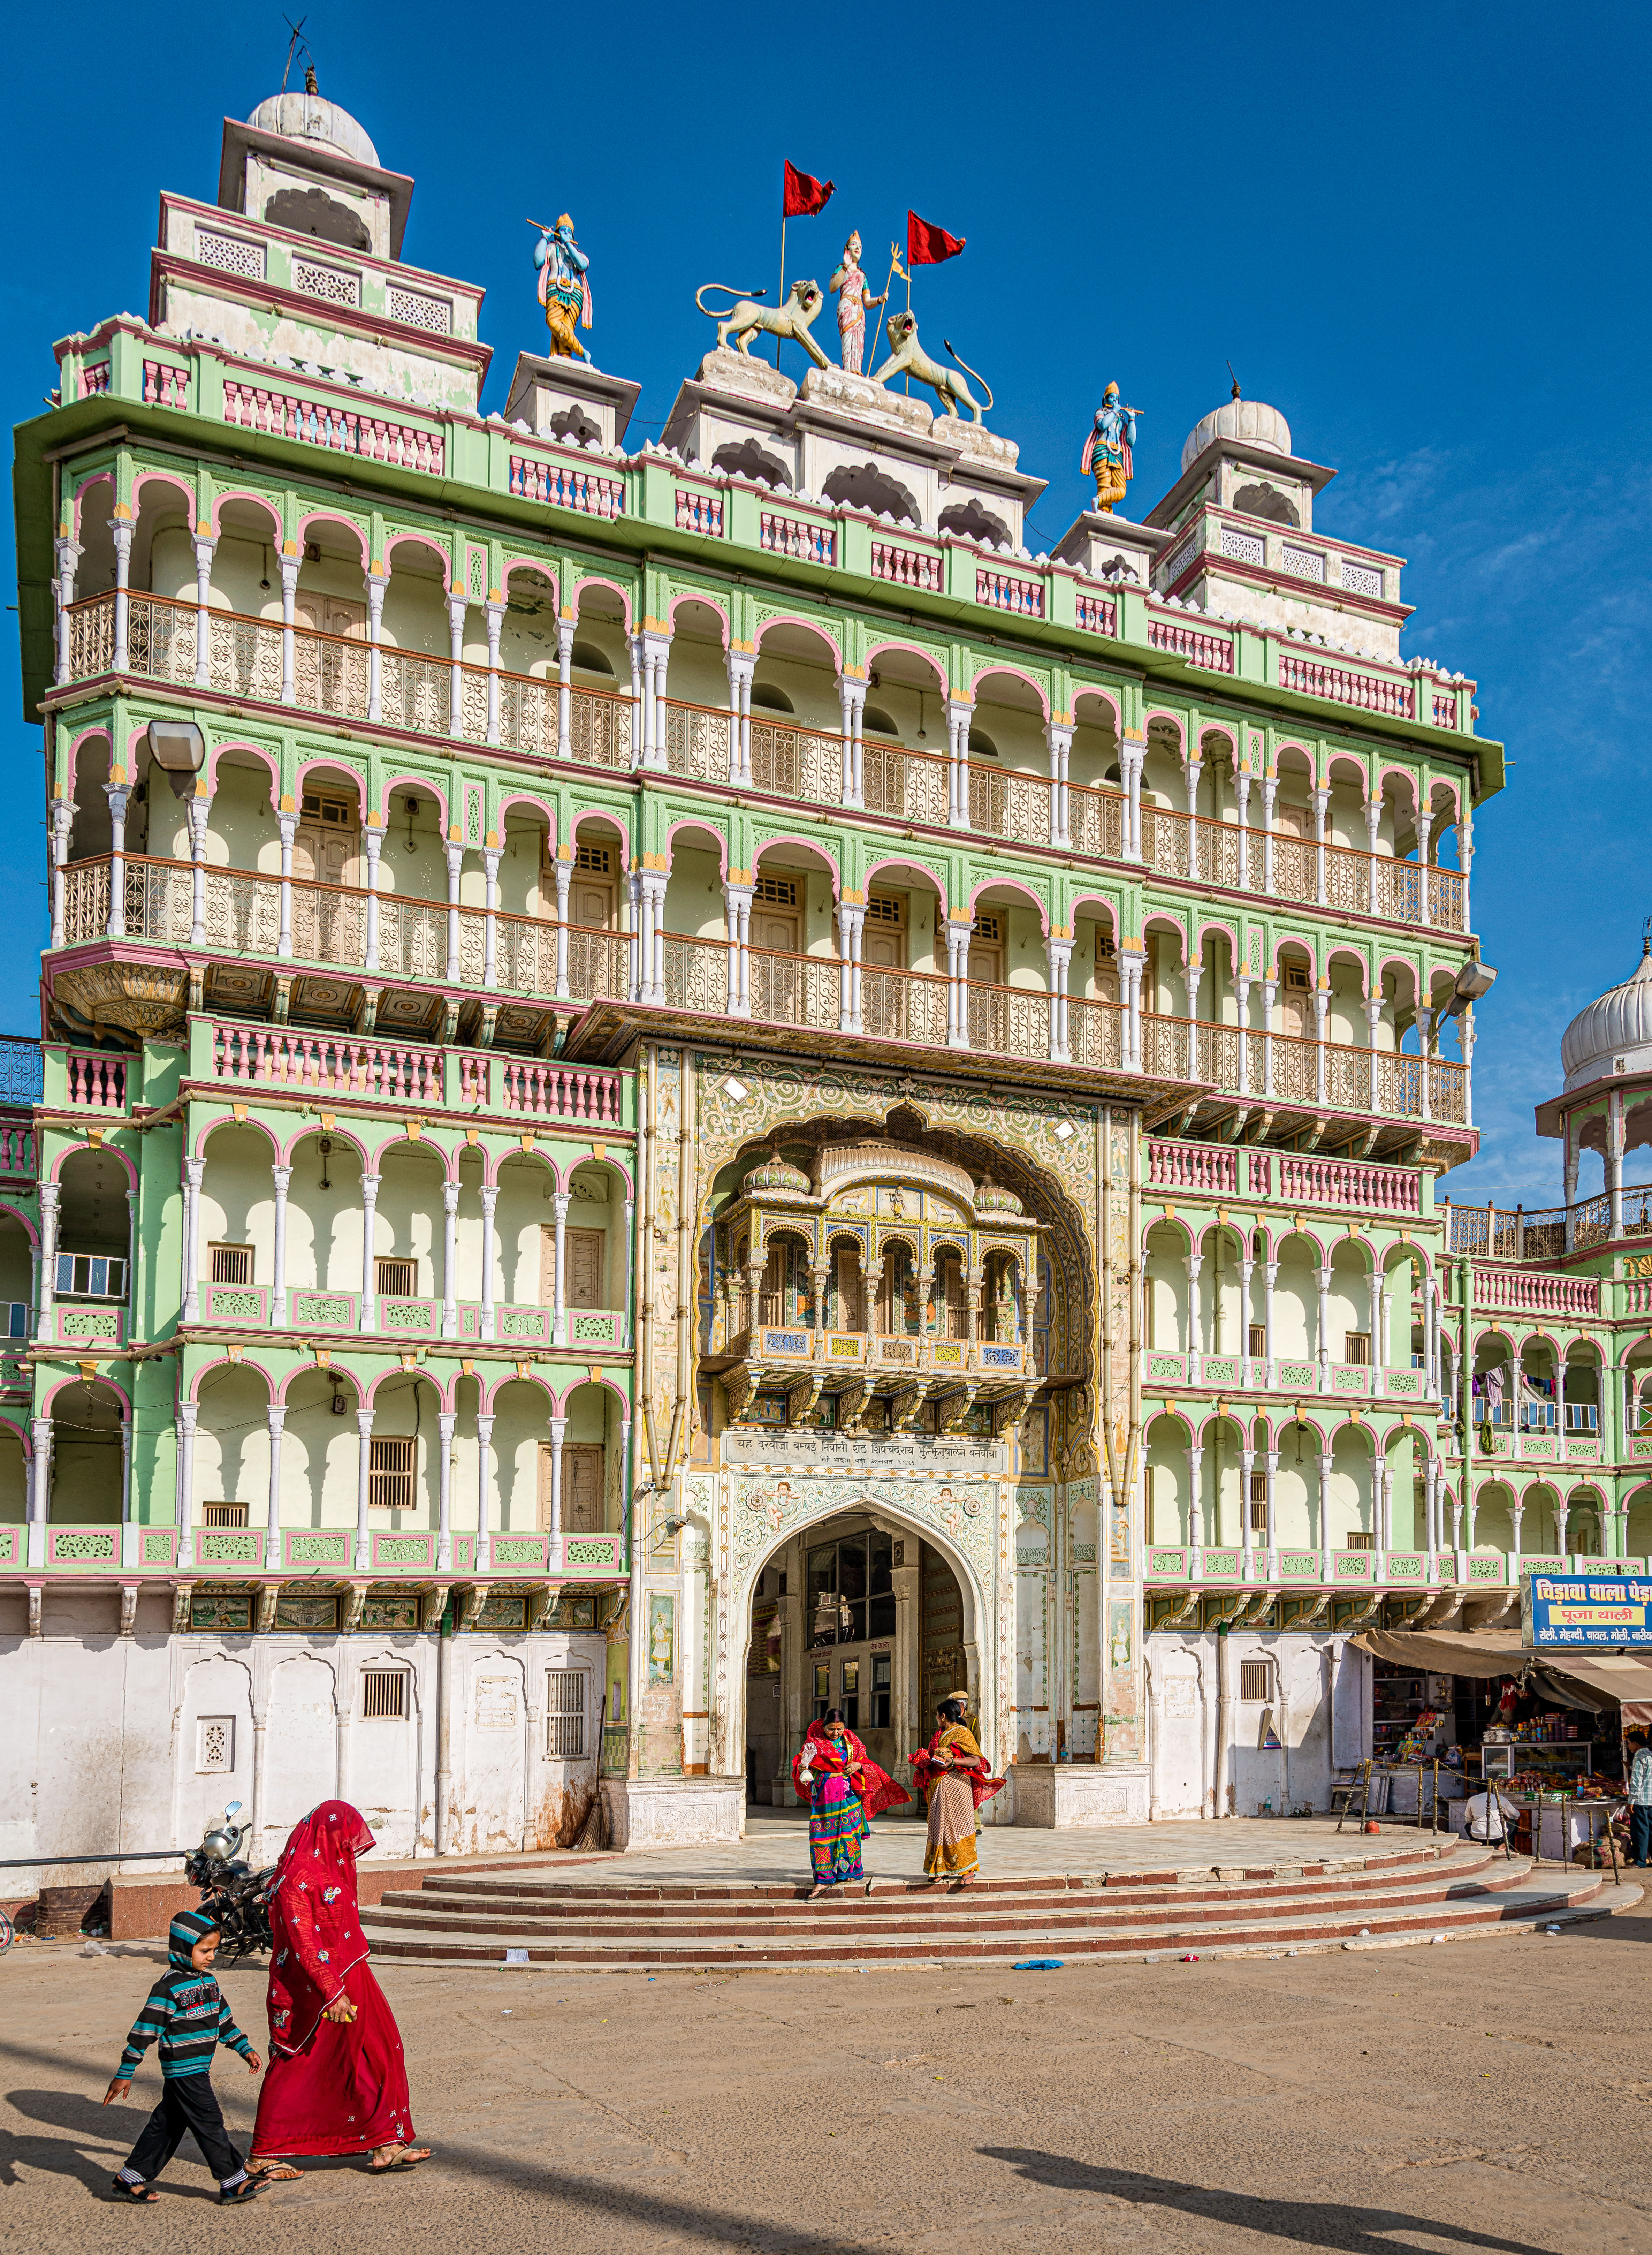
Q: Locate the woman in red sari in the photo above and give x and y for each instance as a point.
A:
(845, 1790)
(337, 2081)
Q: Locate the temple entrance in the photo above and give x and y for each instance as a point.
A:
(856, 1612)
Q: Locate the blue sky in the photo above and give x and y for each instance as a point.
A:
(1415, 229)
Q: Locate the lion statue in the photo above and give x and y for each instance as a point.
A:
(746, 318)
(907, 357)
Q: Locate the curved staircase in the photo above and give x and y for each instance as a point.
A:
(1452, 1889)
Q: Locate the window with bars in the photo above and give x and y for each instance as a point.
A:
(1258, 1503)
(596, 860)
(988, 928)
(384, 1695)
(390, 1475)
(1356, 1348)
(886, 908)
(230, 1264)
(1358, 1542)
(393, 1279)
(1258, 1341)
(1256, 1681)
(565, 1713)
(1297, 981)
(776, 892)
(90, 1276)
(223, 1515)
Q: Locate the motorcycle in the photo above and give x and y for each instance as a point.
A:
(234, 1893)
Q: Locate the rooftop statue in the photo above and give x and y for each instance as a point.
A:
(1107, 450)
(745, 319)
(907, 357)
(853, 303)
(563, 289)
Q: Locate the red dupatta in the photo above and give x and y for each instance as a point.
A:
(968, 1762)
(827, 1757)
(314, 1922)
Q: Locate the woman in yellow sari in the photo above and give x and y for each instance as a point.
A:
(952, 1772)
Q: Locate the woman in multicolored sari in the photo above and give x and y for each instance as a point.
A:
(952, 1771)
(844, 1789)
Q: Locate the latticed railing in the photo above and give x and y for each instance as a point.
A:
(912, 786)
(697, 742)
(1512, 1233)
(905, 1006)
(798, 763)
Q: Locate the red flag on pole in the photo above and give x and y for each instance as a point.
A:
(927, 245)
(803, 195)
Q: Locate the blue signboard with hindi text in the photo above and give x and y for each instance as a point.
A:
(1586, 1612)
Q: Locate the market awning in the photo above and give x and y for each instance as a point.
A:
(1607, 1679)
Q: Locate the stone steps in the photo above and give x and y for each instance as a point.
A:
(632, 1925)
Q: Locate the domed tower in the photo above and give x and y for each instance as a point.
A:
(1606, 1102)
(1242, 544)
(298, 266)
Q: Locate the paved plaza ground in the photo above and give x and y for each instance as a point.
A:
(1493, 2095)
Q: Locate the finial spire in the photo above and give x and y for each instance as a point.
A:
(1236, 393)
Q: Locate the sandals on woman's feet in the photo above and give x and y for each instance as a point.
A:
(403, 2158)
(273, 2172)
(140, 2194)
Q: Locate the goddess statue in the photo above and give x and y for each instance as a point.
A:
(854, 302)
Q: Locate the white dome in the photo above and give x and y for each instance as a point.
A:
(311, 117)
(1249, 419)
(1615, 1033)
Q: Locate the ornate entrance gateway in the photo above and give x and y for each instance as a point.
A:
(861, 1614)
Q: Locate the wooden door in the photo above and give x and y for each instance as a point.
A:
(584, 1257)
(955, 1316)
(772, 1308)
(849, 1309)
(590, 903)
(882, 1000)
(584, 1480)
(331, 614)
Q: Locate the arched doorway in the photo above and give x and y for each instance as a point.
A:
(856, 1612)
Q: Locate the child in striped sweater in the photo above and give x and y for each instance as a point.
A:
(186, 2009)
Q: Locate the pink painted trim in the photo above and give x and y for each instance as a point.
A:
(596, 580)
(706, 603)
(602, 814)
(173, 481)
(224, 1362)
(204, 1136)
(334, 1369)
(333, 517)
(1014, 885)
(924, 656)
(339, 1134)
(97, 478)
(113, 1149)
(1012, 673)
(63, 1384)
(812, 845)
(699, 829)
(431, 547)
(808, 626)
(265, 759)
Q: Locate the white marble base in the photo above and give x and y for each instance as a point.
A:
(1069, 1796)
(673, 1812)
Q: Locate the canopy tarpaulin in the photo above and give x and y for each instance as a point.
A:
(1606, 1679)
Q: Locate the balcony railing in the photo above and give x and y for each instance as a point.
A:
(1219, 1170)
(981, 1358)
(434, 697)
(408, 1553)
(1242, 1061)
(1512, 1233)
(317, 1307)
(344, 1064)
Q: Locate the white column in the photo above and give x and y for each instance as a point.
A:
(282, 1177)
(1272, 1527)
(845, 705)
(1242, 1012)
(289, 609)
(1373, 823)
(559, 1433)
(1191, 974)
(1269, 792)
(457, 608)
(1324, 1517)
(370, 1213)
(958, 938)
(197, 810)
(654, 887)
(1321, 800)
(1247, 1538)
(40, 1473)
(1194, 1263)
(375, 626)
(1192, 769)
(490, 1199)
(564, 688)
(373, 845)
(445, 1421)
(277, 1416)
(1379, 1329)
(363, 1476)
(288, 825)
(490, 921)
(495, 616)
(564, 873)
(854, 697)
(1431, 1339)
(117, 795)
(742, 666)
(185, 1500)
(123, 531)
(1269, 996)
(205, 544)
(1615, 1159)
(1322, 1012)
(959, 715)
(1131, 962)
(193, 1171)
(63, 813)
(560, 1204)
(484, 1489)
(1130, 755)
(48, 1195)
(657, 660)
(737, 900)
(68, 556)
(1060, 738)
(1058, 956)
(852, 919)
(1196, 1502)
(126, 1475)
(455, 868)
(449, 1261)
(1323, 1338)
(1270, 1278)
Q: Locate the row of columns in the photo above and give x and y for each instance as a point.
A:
(1377, 1319)
(280, 1177)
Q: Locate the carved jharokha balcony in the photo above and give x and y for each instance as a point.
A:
(902, 1372)
(276, 665)
(295, 921)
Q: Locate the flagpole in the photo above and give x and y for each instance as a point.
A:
(782, 295)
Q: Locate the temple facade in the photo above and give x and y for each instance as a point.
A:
(679, 1086)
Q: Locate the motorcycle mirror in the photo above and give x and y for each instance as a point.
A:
(232, 1809)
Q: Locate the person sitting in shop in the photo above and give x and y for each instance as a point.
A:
(1640, 1798)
